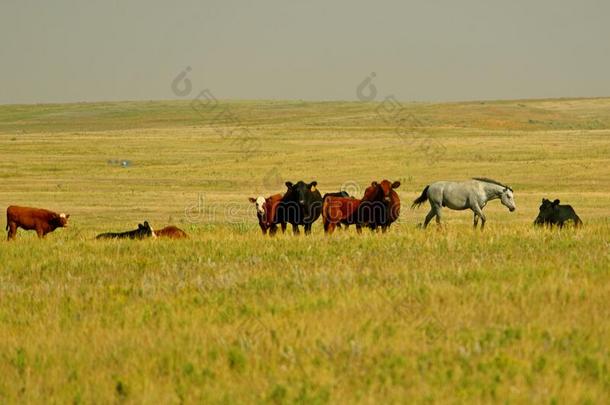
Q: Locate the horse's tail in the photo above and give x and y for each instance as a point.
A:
(421, 199)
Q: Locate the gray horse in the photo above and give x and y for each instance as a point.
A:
(473, 194)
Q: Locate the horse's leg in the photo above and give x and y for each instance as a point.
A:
(476, 220)
(478, 212)
(438, 215)
(429, 217)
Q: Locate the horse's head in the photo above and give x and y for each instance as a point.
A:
(507, 199)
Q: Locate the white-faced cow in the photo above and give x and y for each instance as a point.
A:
(38, 219)
(266, 212)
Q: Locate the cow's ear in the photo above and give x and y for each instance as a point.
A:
(396, 184)
(556, 202)
(313, 184)
(544, 200)
(252, 199)
(374, 184)
(67, 216)
(140, 226)
(289, 184)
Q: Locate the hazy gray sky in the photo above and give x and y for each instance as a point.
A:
(69, 50)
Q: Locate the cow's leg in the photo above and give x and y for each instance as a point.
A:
(283, 227)
(40, 232)
(295, 229)
(359, 229)
(12, 230)
(272, 230)
(476, 220)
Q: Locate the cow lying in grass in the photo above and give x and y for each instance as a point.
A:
(171, 232)
(143, 231)
(551, 213)
(38, 219)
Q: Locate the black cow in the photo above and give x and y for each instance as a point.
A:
(337, 194)
(301, 205)
(551, 213)
(143, 231)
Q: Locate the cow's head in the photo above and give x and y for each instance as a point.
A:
(146, 231)
(386, 189)
(546, 211)
(371, 192)
(61, 220)
(508, 199)
(259, 202)
(301, 190)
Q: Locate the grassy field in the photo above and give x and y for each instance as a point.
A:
(512, 314)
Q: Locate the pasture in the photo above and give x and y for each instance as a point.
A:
(513, 313)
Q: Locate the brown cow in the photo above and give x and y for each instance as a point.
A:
(265, 212)
(340, 210)
(379, 207)
(392, 203)
(38, 219)
(348, 210)
(172, 232)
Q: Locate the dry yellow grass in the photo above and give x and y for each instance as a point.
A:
(511, 314)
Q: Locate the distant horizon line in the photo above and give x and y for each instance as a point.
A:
(279, 100)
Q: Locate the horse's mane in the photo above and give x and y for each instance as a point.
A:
(492, 181)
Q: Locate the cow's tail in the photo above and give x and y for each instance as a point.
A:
(577, 221)
(325, 214)
(421, 199)
(325, 208)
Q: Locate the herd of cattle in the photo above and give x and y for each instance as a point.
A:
(44, 221)
(302, 205)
